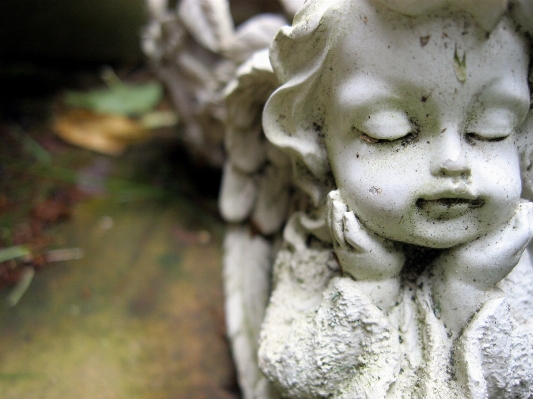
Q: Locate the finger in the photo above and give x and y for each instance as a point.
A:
(371, 258)
(522, 216)
(525, 224)
(490, 258)
(356, 235)
(513, 235)
(520, 232)
(336, 208)
(529, 208)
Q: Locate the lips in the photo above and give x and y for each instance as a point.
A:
(448, 207)
(450, 203)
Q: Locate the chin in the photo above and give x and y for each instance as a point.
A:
(444, 237)
(443, 242)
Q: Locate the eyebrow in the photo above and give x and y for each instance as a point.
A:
(511, 94)
(371, 91)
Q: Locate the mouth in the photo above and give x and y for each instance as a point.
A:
(448, 207)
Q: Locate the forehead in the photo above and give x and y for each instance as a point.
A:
(426, 53)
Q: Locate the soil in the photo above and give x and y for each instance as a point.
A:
(139, 314)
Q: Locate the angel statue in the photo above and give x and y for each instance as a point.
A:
(194, 48)
(380, 207)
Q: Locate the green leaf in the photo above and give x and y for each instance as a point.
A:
(18, 251)
(459, 66)
(36, 150)
(120, 98)
(22, 286)
(31, 146)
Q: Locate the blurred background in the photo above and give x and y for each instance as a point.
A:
(96, 31)
(110, 258)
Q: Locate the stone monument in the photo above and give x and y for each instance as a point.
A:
(381, 213)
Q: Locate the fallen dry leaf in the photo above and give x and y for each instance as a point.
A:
(105, 133)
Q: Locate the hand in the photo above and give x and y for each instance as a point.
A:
(486, 261)
(362, 254)
(465, 277)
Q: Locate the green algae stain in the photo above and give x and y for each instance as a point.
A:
(170, 262)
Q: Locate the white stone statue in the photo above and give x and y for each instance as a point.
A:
(194, 50)
(396, 157)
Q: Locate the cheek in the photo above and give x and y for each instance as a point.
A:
(378, 184)
(497, 171)
(364, 165)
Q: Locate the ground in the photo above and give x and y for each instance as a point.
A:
(140, 314)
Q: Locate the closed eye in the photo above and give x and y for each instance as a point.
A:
(384, 126)
(403, 141)
(491, 125)
(371, 140)
(472, 138)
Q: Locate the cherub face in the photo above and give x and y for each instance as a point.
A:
(419, 155)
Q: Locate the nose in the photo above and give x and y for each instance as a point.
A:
(449, 158)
